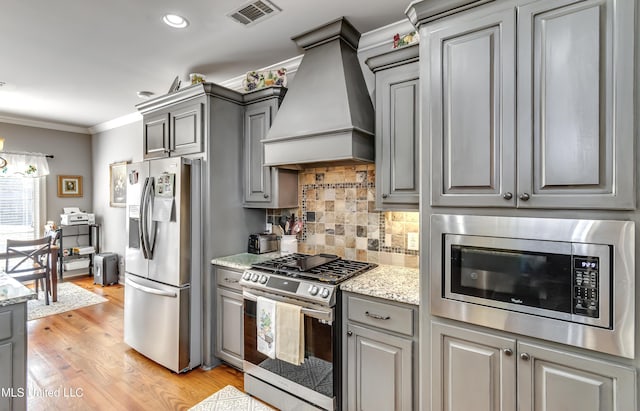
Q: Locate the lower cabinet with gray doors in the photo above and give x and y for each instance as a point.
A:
(380, 339)
(477, 370)
(229, 321)
(13, 357)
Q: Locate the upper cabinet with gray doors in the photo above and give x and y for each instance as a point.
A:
(557, 135)
(265, 187)
(397, 128)
(175, 131)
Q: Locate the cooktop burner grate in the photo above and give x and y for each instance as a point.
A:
(321, 267)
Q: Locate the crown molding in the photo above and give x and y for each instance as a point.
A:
(116, 122)
(44, 124)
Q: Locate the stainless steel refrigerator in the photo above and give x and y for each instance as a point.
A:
(162, 295)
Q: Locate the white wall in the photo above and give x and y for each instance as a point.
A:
(112, 146)
(72, 156)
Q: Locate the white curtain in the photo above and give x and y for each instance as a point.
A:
(24, 164)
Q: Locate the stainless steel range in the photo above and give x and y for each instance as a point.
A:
(311, 282)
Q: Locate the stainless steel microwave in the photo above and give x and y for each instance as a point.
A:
(564, 280)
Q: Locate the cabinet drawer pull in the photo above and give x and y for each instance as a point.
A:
(377, 316)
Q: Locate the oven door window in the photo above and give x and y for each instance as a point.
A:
(540, 280)
(315, 373)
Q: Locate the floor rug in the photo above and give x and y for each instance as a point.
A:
(230, 399)
(70, 297)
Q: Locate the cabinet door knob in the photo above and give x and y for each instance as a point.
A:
(525, 357)
(508, 195)
(525, 196)
(508, 352)
(385, 195)
(266, 195)
(349, 333)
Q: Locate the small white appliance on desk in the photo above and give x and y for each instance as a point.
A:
(73, 216)
(311, 284)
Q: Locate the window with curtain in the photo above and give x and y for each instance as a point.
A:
(22, 197)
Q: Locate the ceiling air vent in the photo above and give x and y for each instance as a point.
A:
(251, 13)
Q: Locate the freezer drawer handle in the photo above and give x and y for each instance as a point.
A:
(150, 290)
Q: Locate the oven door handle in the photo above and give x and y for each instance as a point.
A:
(322, 315)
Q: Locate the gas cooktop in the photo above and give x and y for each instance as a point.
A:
(326, 268)
(312, 278)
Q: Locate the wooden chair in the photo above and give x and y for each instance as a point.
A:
(28, 260)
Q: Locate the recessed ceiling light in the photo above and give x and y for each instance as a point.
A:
(175, 21)
(145, 94)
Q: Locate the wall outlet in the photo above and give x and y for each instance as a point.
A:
(413, 241)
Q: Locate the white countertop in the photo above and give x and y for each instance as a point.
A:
(13, 292)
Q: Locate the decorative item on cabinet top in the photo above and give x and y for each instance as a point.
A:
(256, 80)
(405, 39)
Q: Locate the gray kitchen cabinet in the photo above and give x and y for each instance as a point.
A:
(379, 368)
(264, 187)
(229, 316)
(13, 357)
(563, 142)
(174, 131)
(397, 128)
(486, 372)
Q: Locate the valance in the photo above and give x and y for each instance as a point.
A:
(24, 164)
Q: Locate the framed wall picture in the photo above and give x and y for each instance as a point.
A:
(118, 184)
(69, 186)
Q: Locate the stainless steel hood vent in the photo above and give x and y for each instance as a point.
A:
(327, 116)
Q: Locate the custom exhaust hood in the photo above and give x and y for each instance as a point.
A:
(327, 116)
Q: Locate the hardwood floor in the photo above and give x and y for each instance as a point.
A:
(78, 361)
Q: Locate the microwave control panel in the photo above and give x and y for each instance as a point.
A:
(585, 286)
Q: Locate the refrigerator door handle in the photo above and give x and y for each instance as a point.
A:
(144, 219)
(149, 290)
(142, 226)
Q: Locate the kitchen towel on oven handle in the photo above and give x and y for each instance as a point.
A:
(290, 332)
(266, 326)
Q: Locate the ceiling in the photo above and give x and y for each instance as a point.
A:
(81, 63)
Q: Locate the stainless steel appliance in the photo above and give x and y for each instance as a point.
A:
(162, 307)
(310, 281)
(564, 280)
(262, 243)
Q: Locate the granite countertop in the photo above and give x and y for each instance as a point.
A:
(13, 292)
(389, 282)
(243, 261)
(385, 281)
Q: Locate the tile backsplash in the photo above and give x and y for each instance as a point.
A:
(337, 207)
